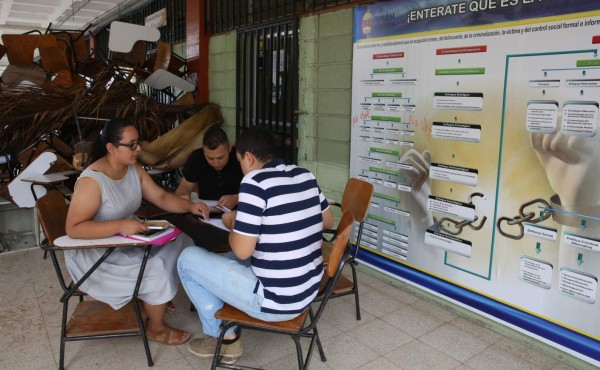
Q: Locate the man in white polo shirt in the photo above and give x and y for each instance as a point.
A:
(275, 268)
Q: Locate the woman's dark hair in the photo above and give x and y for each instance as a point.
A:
(258, 141)
(111, 133)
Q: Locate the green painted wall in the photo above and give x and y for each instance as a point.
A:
(221, 78)
(325, 89)
(325, 74)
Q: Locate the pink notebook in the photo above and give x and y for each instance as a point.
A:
(159, 241)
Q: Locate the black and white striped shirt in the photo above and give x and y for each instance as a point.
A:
(282, 206)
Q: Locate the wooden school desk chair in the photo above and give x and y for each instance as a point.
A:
(91, 319)
(299, 326)
(356, 200)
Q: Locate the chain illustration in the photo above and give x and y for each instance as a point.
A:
(522, 217)
(459, 225)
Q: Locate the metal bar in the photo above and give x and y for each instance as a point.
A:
(294, 91)
(75, 286)
(260, 80)
(209, 19)
(284, 102)
(244, 7)
(239, 76)
(58, 270)
(269, 83)
(251, 71)
(102, 336)
(63, 335)
(278, 79)
(260, 14)
(242, 74)
(136, 306)
(226, 6)
(266, 87)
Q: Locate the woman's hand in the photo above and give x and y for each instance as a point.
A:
(132, 226)
(199, 209)
(571, 165)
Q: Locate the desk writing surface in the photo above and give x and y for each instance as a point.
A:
(50, 178)
(66, 242)
(204, 235)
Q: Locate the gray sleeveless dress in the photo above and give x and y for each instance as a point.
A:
(113, 281)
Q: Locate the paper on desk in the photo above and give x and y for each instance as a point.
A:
(210, 203)
(194, 198)
(216, 222)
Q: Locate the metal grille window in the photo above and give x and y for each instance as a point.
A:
(173, 32)
(227, 15)
(267, 78)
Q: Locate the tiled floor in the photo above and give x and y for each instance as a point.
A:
(400, 329)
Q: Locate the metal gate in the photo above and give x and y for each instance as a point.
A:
(267, 82)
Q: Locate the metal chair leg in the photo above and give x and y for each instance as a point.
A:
(136, 306)
(299, 352)
(138, 315)
(215, 360)
(317, 338)
(357, 303)
(63, 334)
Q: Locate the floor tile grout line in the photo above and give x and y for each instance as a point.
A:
(37, 299)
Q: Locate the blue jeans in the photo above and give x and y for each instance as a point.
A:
(211, 279)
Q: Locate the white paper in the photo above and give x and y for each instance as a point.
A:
(216, 222)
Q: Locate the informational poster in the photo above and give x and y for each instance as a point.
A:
(477, 123)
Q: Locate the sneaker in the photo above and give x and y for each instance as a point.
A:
(205, 347)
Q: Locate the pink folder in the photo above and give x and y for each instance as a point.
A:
(160, 241)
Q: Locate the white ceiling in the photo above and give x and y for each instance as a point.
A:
(20, 16)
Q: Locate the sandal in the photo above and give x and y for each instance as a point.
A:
(169, 336)
(171, 307)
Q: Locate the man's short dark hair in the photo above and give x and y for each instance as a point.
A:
(214, 137)
(259, 141)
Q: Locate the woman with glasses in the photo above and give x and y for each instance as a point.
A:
(104, 201)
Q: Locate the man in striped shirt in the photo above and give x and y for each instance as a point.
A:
(275, 268)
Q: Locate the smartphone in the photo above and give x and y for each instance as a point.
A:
(157, 224)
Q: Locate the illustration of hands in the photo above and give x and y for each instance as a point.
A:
(418, 178)
(572, 165)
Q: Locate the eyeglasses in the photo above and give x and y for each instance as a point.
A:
(133, 146)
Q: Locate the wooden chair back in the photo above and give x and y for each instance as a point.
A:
(134, 58)
(20, 47)
(52, 212)
(340, 244)
(56, 58)
(3, 50)
(162, 57)
(356, 198)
